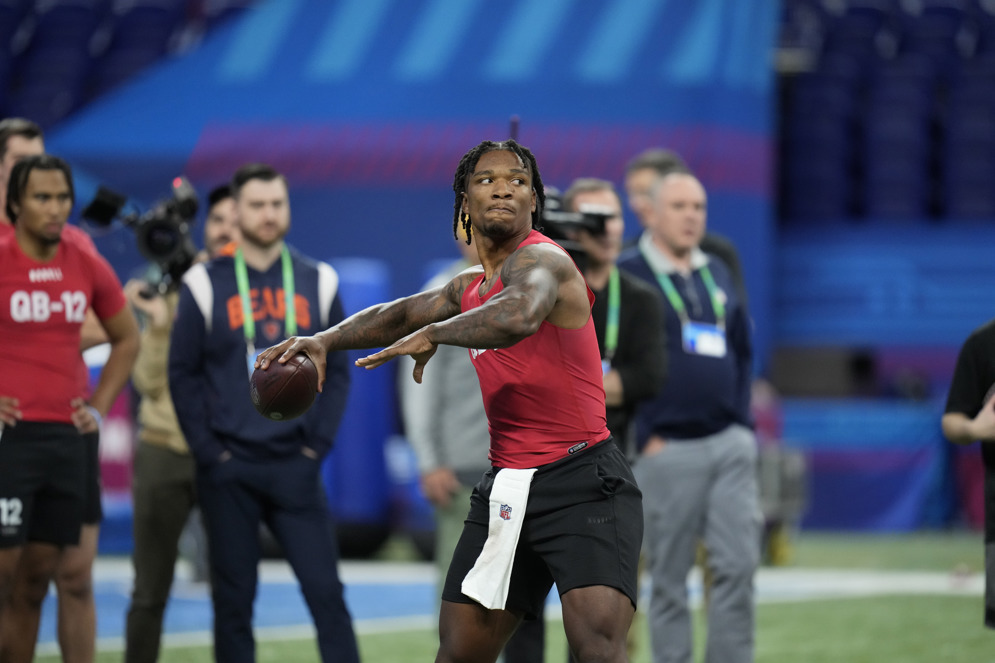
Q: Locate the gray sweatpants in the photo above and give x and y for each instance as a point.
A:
(702, 490)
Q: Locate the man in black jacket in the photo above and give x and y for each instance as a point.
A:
(628, 313)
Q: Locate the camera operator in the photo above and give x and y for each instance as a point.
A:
(163, 479)
(628, 315)
(628, 320)
(220, 224)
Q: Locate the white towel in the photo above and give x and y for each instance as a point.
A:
(489, 579)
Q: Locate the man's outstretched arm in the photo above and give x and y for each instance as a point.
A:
(373, 327)
(533, 278)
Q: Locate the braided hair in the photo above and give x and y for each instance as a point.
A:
(469, 162)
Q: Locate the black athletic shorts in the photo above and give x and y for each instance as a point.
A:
(583, 526)
(42, 477)
(93, 511)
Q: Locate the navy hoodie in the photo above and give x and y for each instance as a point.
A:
(209, 370)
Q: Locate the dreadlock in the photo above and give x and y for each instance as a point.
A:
(469, 162)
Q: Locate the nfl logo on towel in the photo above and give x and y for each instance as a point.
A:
(505, 512)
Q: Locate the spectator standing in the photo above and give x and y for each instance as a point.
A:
(251, 469)
(642, 172)
(19, 138)
(45, 462)
(969, 416)
(628, 314)
(77, 612)
(628, 321)
(698, 454)
(163, 486)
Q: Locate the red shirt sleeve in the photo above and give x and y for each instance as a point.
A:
(108, 296)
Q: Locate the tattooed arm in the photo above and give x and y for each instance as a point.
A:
(375, 326)
(540, 283)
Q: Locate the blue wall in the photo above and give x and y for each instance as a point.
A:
(367, 105)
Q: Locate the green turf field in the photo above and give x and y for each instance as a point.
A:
(907, 628)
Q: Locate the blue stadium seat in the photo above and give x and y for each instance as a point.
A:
(876, 12)
(147, 25)
(914, 70)
(67, 24)
(68, 66)
(935, 32)
(896, 187)
(967, 120)
(44, 103)
(982, 15)
(831, 140)
(87, 46)
(818, 94)
(816, 187)
(894, 126)
(12, 12)
(853, 34)
(967, 190)
(842, 68)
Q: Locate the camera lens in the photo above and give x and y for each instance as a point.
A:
(162, 241)
(158, 240)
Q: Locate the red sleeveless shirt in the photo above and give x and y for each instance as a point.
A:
(544, 396)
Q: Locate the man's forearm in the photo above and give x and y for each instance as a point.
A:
(500, 323)
(373, 327)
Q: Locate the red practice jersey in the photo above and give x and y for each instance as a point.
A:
(42, 307)
(544, 396)
(76, 235)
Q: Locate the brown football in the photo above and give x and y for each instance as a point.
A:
(284, 391)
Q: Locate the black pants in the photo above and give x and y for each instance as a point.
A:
(235, 497)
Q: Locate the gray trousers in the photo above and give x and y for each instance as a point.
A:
(702, 490)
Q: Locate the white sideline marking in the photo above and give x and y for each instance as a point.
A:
(773, 585)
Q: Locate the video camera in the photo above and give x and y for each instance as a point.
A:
(558, 224)
(162, 233)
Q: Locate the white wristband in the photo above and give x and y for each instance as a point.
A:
(96, 415)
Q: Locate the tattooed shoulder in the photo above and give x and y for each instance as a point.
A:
(455, 288)
(526, 261)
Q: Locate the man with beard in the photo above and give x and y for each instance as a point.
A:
(251, 469)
